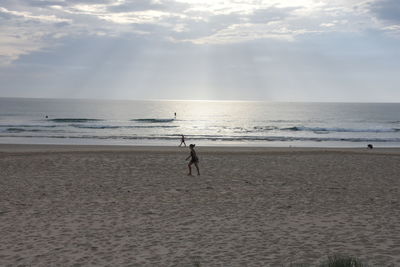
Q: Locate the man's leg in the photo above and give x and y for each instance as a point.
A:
(190, 168)
(197, 167)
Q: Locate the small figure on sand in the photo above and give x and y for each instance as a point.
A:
(193, 160)
(370, 146)
(182, 140)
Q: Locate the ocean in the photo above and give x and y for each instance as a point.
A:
(206, 123)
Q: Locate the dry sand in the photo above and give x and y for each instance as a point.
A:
(135, 206)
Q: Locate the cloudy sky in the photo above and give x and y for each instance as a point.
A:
(279, 50)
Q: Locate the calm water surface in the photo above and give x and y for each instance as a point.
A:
(202, 122)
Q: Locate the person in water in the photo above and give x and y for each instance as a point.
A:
(182, 140)
(194, 160)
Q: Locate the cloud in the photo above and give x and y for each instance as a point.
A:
(271, 14)
(249, 32)
(143, 5)
(196, 21)
(207, 27)
(23, 32)
(328, 25)
(29, 16)
(387, 10)
(15, 43)
(137, 5)
(44, 3)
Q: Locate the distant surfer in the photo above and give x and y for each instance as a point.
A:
(47, 117)
(193, 160)
(175, 115)
(182, 140)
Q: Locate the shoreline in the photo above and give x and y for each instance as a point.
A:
(203, 143)
(21, 148)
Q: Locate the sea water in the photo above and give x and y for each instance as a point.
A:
(214, 123)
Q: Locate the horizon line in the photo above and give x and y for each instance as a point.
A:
(201, 100)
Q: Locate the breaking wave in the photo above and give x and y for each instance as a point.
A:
(120, 127)
(76, 120)
(214, 138)
(153, 120)
(351, 130)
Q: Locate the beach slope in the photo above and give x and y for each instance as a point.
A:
(135, 206)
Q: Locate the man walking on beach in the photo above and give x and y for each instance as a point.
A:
(182, 140)
(194, 160)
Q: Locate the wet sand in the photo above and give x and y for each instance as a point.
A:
(135, 206)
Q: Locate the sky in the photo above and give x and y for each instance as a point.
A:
(273, 50)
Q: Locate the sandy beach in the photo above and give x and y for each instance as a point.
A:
(135, 206)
